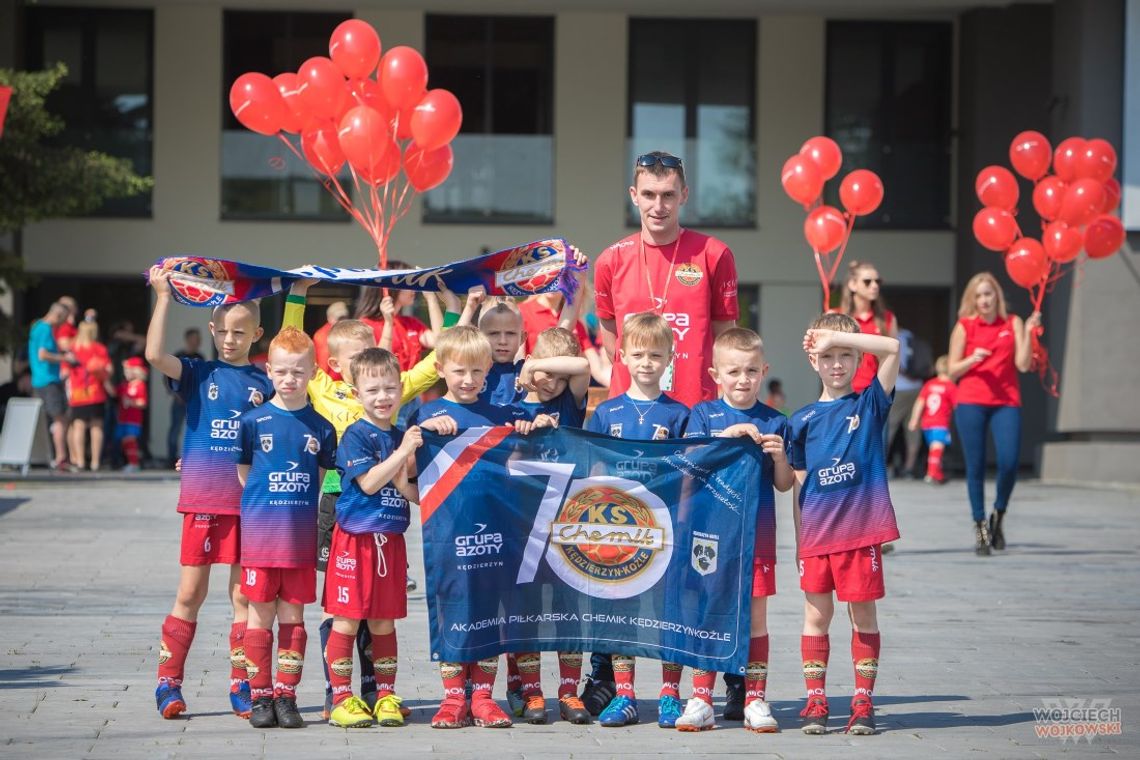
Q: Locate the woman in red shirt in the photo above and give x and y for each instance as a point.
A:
(862, 301)
(988, 347)
(87, 395)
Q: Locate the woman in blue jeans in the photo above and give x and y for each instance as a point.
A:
(988, 347)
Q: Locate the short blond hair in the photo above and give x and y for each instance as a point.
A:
(556, 341)
(86, 332)
(968, 308)
(942, 365)
(738, 339)
(374, 361)
(350, 329)
(463, 343)
(833, 320)
(293, 341)
(253, 308)
(648, 330)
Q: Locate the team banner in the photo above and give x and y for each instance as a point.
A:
(539, 267)
(568, 540)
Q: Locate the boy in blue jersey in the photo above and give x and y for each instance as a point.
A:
(216, 394)
(463, 359)
(642, 413)
(843, 509)
(285, 448)
(502, 323)
(739, 369)
(367, 574)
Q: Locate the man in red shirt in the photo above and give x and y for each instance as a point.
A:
(684, 276)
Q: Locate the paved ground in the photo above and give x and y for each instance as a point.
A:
(971, 645)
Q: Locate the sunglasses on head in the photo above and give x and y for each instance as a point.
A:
(868, 280)
(669, 162)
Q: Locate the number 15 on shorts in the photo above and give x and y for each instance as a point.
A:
(342, 594)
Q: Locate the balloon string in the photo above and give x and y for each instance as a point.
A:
(824, 280)
(843, 248)
(1045, 372)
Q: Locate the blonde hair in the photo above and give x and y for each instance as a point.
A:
(648, 330)
(293, 341)
(833, 320)
(86, 332)
(500, 307)
(942, 365)
(738, 339)
(253, 308)
(970, 309)
(847, 298)
(349, 329)
(374, 361)
(463, 343)
(556, 341)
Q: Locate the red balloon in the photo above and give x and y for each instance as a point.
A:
(1111, 196)
(384, 170)
(288, 86)
(427, 168)
(825, 228)
(258, 104)
(403, 75)
(1097, 161)
(861, 192)
(366, 92)
(355, 48)
(322, 88)
(1029, 154)
(996, 186)
(435, 120)
(995, 228)
(1061, 242)
(801, 179)
(1026, 263)
(403, 122)
(1066, 158)
(1103, 236)
(1082, 201)
(825, 153)
(322, 149)
(1047, 197)
(363, 137)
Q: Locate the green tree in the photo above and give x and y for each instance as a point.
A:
(40, 179)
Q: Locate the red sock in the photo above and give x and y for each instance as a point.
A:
(259, 666)
(338, 655)
(530, 671)
(569, 673)
(483, 675)
(177, 634)
(703, 683)
(237, 654)
(291, 640)
(514, 678)
(815, 651)
(131, 450)
(671, 679)
(384, 662)
(756, 674)
(625, 667)
(865, 657)
(934, 463)
(454, 677)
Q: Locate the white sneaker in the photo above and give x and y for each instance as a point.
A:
(698, 716)
(758, 717)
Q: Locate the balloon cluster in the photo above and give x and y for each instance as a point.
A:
(826, 227)
(356, 107)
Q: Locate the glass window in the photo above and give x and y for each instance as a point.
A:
(106, 98)
(888, 107)
(502, 70)
(692, 92)
(261, 177)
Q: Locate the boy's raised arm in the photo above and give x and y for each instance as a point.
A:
(295, 304)
(156, 354)
(882, 347)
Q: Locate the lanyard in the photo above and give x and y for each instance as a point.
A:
(658, 308)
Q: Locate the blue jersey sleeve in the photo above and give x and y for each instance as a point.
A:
(680, 423)
(328, 444)
(698, 426)
(356, 453)
(247, 433)
(187, 383)
(597, 423)
(877, 400)
(797, 454)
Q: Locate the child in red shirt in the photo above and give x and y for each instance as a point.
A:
(132, 394)
(932, 411)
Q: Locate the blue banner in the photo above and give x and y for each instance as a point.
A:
(568, 540)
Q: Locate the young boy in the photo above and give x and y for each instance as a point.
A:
(642, 413)
(739, 369)
(502, 323)
(842, 508)
(216, 393)
(463, 359)
(933, 409)
(368, 578)
(132, 393)
(284, 448)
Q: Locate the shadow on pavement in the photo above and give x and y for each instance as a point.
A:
(33, 678)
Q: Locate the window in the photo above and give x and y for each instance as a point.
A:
(502, 70)
(692, 92)
(748, 300)
(106, 98)
(262, 178)
(888, 107)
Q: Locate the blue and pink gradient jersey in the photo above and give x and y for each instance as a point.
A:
(216, 396)
(482, 413)
(566, 410)
(286, 452)
(623, 417)
(844, 501)
(363, 446)
(710, 419)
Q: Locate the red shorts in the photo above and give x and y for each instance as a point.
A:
(295, 585)
(763, 577)
(855, 575)
(367, 576)
(211, 539)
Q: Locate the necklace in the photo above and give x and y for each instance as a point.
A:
(641, 414)
(659, 306)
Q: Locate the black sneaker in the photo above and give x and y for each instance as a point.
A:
(862, 721)
(262, 714)
(287, 714)
(534, 710)
(597, 695)
(734, 698)
(997, 538)
(982, 539)
(813, 718)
